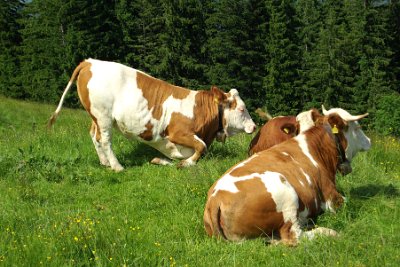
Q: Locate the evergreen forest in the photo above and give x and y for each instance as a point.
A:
(283, 56)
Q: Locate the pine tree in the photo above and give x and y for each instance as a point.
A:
(308, 13)
(394, 43)
(373, 79)
(92, 29)
(330, 75)
(42, 50)
(141, 25)
(10, 39)
(282, 93)
(236, 33)
(181, 51)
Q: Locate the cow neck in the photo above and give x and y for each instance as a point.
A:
(220, 118)
(343, 165)
(323, 146)
(341, 153)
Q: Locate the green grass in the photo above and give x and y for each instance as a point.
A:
(59, 207)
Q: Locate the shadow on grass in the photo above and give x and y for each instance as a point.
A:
(141, 153)
(219, 151)
(138, 155)
(371, 190)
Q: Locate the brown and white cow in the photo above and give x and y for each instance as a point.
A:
(178, 122)
(274, 192)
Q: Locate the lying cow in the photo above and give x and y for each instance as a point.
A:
(279, 129)
(274, 192)
(178, 122)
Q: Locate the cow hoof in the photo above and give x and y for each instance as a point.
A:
(105, 163)
(159, 161)
(185, 163)
(117, 168)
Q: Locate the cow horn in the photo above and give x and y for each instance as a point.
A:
(324, 111)
(355, 118)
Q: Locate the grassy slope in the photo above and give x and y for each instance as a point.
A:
(60, 208)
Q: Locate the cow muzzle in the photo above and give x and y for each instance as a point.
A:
(221, 136)
(250, 128)
(345, 168)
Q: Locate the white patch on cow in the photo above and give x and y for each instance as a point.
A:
(284, 153)
(200, 140)
(171, 150)
(302, 184)
(227, 182)
(283, 194)
(305, 120)
(301, 140)
(307, 176)
(184, 106)
(303, 215)
(327, 206)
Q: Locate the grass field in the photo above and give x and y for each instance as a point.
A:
(59, 207)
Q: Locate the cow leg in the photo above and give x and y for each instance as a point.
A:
(289, 233)
(95, 134)
(105, 129)
(192, 141)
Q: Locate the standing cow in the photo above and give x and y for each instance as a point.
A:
(274, 192)
(178, 122)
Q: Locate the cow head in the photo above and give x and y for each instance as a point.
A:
(356, 139)
(235, 116)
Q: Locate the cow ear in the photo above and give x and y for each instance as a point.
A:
(219, 96)
(315, 115)
(337, 123)
(289, 129)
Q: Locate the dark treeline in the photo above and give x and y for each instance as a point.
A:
(284, 56)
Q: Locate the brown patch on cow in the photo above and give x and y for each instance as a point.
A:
(182, 131)
(233, 105)
(85, 74)
(255, 209)
(206, 117)
(94, 129)
(148, 133)
(157, 91)
(84, 77)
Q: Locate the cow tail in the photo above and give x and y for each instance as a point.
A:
(214, 221)
(74, 76)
